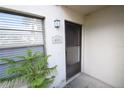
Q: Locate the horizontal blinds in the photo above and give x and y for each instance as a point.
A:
(10, 38)
(20, 32)
(11, 53)
(10, 21)
(17, 31)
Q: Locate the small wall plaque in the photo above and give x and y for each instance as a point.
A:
(57, 39)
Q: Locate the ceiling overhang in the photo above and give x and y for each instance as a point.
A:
(86, 9)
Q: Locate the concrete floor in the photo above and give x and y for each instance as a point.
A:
(86, 81)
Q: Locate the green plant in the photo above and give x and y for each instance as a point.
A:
(32, 69)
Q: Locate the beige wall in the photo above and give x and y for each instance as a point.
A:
(57, 51)
(104, 45)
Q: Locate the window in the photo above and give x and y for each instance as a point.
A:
(19, 33)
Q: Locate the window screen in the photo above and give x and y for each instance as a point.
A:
(17, 34)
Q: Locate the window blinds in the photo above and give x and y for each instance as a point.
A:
(17, 31)
(11, 53)
(20, 32)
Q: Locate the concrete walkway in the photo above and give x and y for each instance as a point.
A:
(86, 81)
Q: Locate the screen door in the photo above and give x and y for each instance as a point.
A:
(73, 48)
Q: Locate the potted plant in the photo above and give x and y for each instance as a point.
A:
(32, 69)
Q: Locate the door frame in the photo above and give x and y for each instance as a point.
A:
(73, 77)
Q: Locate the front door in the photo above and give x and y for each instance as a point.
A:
(73, 48)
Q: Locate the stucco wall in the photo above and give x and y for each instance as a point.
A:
(104, 45)
(57, 51)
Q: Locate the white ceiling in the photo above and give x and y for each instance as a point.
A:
(86, 9)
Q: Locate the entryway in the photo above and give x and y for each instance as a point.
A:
(73, 48)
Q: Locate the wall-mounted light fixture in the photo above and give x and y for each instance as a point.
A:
(57, 23)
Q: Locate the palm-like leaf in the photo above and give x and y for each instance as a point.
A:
(32, 69)
(8, 60)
